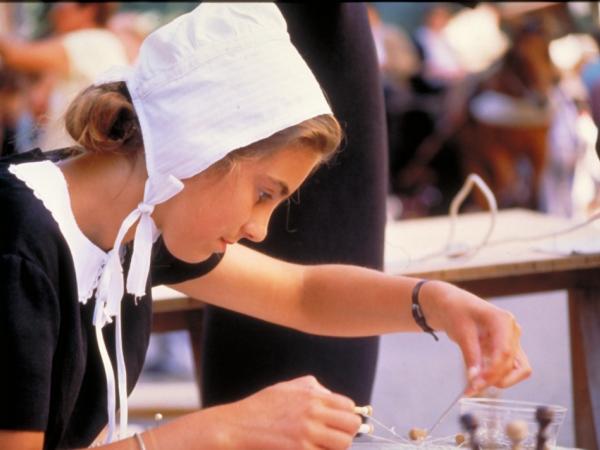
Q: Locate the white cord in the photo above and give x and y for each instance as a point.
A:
(566, 230)
(454, 250)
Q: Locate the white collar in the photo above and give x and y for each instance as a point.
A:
(48, 184)
(94, 268)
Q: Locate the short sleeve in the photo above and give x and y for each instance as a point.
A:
(167, 269)
(29, 323)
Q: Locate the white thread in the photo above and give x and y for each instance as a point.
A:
(384, 439)
(405, 442)
(473, 180)
(453, 250)
(566, 230)
(139, 440)
(390, 430)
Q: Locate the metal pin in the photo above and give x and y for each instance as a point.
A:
(444, 414)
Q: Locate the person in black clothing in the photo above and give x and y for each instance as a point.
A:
(180, 159)
(339, 217)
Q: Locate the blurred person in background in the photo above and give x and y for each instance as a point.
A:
(577, 55)
(504, 137)
(12, 105)
(567, 140)
(440, 61)
(131, 28)
(420, 110)
(79, 49)
(398, 64)
(396, 53)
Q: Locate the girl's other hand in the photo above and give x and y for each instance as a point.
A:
(296, 414)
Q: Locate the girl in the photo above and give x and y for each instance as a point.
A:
(180, 158)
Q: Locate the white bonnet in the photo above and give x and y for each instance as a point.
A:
(218, 78)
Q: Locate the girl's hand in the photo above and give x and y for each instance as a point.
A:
(488, 336)
(297, 414)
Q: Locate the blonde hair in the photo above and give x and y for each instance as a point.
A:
(102, 120)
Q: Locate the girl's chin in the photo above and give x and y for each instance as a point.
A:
(189, 256)
(195, 258)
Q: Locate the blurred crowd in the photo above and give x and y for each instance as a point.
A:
(504, 90)
(40, 76)
(509, 91)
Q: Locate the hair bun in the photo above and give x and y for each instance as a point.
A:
(102, 119)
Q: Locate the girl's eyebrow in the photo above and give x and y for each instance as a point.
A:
(283, 188)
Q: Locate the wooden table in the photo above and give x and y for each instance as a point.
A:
(511, 268)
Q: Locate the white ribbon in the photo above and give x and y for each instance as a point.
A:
(111, 289)
(156, 191)
(110, 383)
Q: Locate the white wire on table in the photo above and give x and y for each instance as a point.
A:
(460, 250)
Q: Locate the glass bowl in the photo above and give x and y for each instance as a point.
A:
(493, 415)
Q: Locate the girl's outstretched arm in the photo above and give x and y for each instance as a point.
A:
(344, 300)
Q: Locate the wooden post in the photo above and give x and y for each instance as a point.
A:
(584, 324)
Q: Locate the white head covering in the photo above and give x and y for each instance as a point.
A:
(211, 81)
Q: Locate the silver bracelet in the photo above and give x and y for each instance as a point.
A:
(139, 440)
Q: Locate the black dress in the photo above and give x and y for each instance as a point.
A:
(339, 218)
(52, 379)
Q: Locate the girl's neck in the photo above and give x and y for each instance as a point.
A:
(104, 189)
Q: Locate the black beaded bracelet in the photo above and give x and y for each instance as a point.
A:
(417, 312)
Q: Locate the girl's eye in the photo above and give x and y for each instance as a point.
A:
(264, 196)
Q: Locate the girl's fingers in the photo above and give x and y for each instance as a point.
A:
(468, 341)
(489, 338)
(521, 371)
(332, 409)
(344, 421)
(491, 356)
(330, 438)
(504, 344)
(471, 350)
(338, 401)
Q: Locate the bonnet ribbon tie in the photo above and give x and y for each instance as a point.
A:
(111, 290)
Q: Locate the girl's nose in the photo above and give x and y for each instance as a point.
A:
(256, 230)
